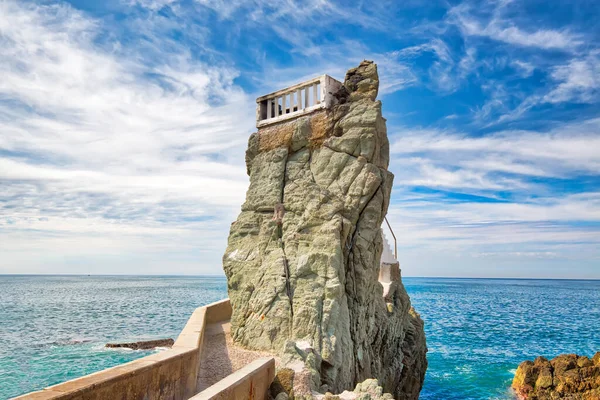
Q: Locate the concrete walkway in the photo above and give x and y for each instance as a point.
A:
(220, 357)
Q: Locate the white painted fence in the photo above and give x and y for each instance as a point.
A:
(296, 100)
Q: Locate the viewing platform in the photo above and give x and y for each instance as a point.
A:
(297, 100)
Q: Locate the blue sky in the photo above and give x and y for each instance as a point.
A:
(123, 125)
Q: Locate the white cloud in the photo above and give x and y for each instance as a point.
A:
(543, 38)
(438, 237)
(436, 46)
(509, 23)
(500, 28)
(394, 73)
(124, 158)
(566, 151)
(525, 68)
(579, 81)
(445, 74)
(152, 4)
(308, 13)
(97, 142)
(523, 218)
(576, 81)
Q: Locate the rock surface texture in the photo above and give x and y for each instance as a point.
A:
(567, 376)
(303, 257)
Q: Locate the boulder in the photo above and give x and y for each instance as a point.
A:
(567, 376)
(143, 345)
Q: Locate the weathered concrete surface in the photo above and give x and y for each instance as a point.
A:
(171, 374)
(302, 259)
(248, 383)
(567, 376)
(220, 357)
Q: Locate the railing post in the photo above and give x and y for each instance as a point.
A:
(299, 99)
(306, 97)
(280, 110)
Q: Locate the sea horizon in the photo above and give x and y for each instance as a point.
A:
(224, 277)
(478, 329)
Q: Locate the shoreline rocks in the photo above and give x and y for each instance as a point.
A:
(567, 376)
(142, 345)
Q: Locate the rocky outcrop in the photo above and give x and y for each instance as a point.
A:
(303, 257)
(143, 345)
(367, 390)
(567, 376)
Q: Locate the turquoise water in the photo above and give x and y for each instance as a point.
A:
(53, 328)
(479, 330)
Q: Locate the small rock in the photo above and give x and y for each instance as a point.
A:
(143, 345)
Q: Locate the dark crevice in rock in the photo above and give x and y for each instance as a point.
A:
(286, 267)
(288, 289)
(341, 151)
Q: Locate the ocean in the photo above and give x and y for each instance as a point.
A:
(53, 328)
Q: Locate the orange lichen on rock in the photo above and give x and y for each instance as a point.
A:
(320, 129)
(274, 136)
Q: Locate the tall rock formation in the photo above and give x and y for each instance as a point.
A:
(303, 257)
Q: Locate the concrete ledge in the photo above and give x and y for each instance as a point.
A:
(250, 382)
(219, 311)
(171, 374)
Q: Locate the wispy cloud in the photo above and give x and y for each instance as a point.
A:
(311, 12)
(574, 82)
(496, 195)
(154, 5)
(499, 27)
(444, 74)
(525, 68)
(122, 138)
(578, 80)
(565, 152)
(97, 138)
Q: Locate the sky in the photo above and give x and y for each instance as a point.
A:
(123, 126)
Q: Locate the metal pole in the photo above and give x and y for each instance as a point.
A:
(394, 236)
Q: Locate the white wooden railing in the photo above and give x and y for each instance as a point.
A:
(296, 100)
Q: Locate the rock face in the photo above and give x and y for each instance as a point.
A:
(303, 257)
(567, 376)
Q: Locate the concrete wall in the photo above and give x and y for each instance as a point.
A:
(250, 382)
(171, 374)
